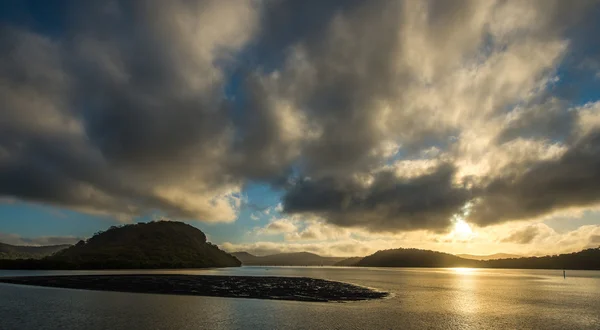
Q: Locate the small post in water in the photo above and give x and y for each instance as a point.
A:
(564, 273)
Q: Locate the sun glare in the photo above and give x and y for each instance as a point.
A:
(463, 270)
(462, 228)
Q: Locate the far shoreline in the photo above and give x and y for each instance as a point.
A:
(93, 269)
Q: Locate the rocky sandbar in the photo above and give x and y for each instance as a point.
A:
(263, 287)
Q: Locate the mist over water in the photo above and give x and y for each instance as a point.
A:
(421, 298)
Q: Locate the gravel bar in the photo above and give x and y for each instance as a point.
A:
(257, 287)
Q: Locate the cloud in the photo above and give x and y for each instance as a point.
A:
(278, 226)
(546, 186)
(318, 230)
(388, 203)
(380, 116)
(492, 239)
(124, 113)
(595, 239)
(345, 248)
(408, 92)
(523, 236)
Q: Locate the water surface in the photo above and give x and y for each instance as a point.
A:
(421, 299)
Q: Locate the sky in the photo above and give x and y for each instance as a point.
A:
(334, 127)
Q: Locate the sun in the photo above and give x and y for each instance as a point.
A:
(462, 228)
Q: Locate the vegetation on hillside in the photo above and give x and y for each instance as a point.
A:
(414, 258)
(162, 244)
(586, 259)
(8, 251)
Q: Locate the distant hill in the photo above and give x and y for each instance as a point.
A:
(414, 258)
(162, 244)
(352, 261)
(8, 251)
(286, 259)
(489, 256)
(586, 259)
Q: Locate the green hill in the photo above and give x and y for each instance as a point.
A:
(162, 244)
(8, 251)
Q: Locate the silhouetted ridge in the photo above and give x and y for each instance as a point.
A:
(286, 259)
(414, 258)
(586, 259)
(489, 256)
(162, 244)
(8, 251)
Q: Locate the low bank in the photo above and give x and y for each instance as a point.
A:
(268, 287)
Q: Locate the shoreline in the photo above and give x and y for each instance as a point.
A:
(256, 287)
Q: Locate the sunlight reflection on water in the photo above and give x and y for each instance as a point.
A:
(453, 298)
(464, 271)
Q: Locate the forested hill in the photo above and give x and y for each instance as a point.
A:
(162, 244)
(586, 259)
(414, 258)
(8, 251)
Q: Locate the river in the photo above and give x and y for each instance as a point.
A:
(440, 298)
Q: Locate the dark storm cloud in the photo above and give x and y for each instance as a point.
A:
(388, 204)
(429, 201)
(569, 181)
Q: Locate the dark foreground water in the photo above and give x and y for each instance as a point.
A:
(421, 299)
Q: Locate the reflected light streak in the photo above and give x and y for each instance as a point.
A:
(464, 270)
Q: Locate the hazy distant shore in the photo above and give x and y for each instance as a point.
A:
(275, 288)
